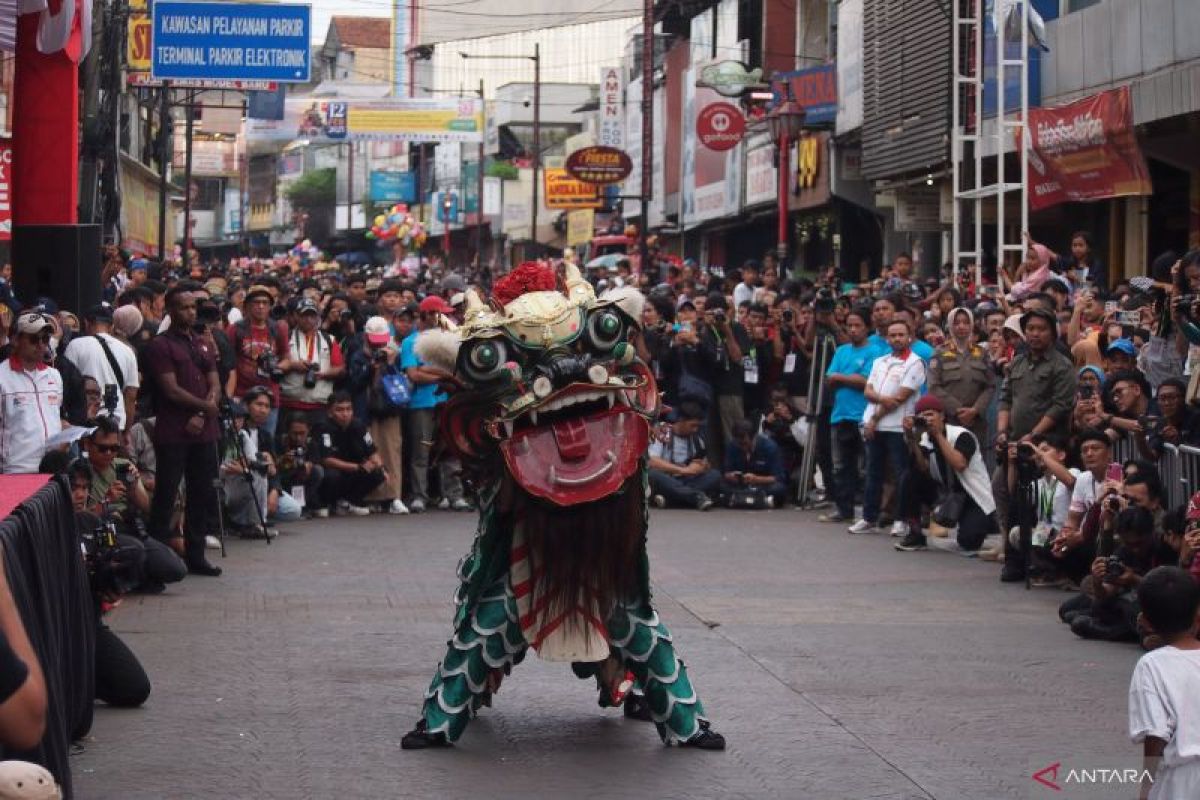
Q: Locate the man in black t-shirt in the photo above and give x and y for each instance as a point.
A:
(730, 342)
(352, 466)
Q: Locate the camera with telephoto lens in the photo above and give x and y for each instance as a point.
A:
(1113, 504)
(259, 464)
(268, 367)
(718, 316)
(123, 473)
(789, 316)
(825, 302)
(920, 423)
(1151, 425)
(1114, 568)
(310, 377)
(379, 356)
(111, 568)
(208, 313)
(111, 397)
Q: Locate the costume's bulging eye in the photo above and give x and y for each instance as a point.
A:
(606, 330)
(484, 360)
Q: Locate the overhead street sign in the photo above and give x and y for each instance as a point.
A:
(230, 41)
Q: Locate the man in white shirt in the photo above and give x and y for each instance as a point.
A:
(31, 395)
(108, 361)
(891, 391)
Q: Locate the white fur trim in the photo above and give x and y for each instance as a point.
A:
(438, 348)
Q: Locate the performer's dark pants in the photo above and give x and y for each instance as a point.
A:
(197, 462)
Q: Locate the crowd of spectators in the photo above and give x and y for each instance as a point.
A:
(978, 411)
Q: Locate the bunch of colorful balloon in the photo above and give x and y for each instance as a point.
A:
(398, 226)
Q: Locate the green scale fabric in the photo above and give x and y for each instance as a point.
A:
(488, 637)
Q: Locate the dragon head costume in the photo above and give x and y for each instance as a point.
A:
(551, 421)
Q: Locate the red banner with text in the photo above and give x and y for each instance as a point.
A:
(6, 155)
(1086, 150)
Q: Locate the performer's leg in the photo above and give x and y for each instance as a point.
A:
(483, 649)
(645, 645)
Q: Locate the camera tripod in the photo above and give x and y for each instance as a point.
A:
(816, 402)
(229, 429)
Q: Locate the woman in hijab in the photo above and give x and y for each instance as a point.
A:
(1034, 271)
(961, 377)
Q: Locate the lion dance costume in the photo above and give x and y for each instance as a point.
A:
(552, 421)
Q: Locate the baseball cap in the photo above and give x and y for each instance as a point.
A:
(1122, 345)
(435, 304)
(377, 330)
(33, 322)
(101, 312)
(391, 285)
(307, 306)
(453, 282)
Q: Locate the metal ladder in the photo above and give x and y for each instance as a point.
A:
(971, 137)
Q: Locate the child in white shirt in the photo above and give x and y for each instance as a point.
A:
(1164, 692)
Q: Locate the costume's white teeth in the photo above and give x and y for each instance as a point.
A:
(533, 414)
(612, 398)
(508, 428)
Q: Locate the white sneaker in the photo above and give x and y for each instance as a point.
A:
(862, 526)
(397, 507)
(212, 543)
(444, 504)
(320, 513)
(900, 528)
(659, 501)
(341, 508)
(357, 511)
(460, 505)
(418, 506)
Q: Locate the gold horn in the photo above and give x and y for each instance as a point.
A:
(578, 289)
(474, 304)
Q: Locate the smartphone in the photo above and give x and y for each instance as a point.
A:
(1114, 473)
(1111, 306)
(1129, 317)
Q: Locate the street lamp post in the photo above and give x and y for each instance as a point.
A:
(785, 122)
(536, 161)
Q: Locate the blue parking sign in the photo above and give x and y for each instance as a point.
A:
(230, 41)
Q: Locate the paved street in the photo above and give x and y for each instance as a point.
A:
(835, 666)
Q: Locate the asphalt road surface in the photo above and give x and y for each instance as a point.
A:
(835, 666)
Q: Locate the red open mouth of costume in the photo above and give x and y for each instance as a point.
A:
(582, 443)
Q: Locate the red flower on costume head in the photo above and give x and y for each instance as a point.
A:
(528, 277)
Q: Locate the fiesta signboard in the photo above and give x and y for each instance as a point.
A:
(599, 165)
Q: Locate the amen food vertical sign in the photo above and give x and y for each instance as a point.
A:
(611, 132)
(5, 189)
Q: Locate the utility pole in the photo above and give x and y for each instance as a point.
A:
(537, 142)
(166, 155)
(190, 112)
(647, 129)
(479, 189)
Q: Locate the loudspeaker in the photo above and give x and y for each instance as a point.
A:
(61, 262)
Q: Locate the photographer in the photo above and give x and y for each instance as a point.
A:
(733, 367)
(1132, 404)
(352, 466)
(299, 473)
(947, 474)
(680, 474)
(108, 360)
(120, 679)
(1178, 425)
(259, 464)
(184, 372)
(1106, 608)
(754, 476)
(384, 410)
(1075, 545)
(1055, 482)
(686, 361)
(260, 345)
(116, 494)
(314, 363)
(765, 349)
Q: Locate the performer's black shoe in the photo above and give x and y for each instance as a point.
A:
(420, 739)
(637, 708)
(706, 739)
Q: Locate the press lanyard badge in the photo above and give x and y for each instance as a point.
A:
(750, 365)
(789, 363)
(1041, 531)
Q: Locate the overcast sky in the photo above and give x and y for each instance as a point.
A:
(464, 19)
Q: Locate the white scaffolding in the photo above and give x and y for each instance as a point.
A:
(977, 131)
